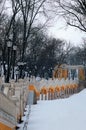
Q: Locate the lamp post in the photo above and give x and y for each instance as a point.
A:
(9, 45)
(17, 72)
(21, 65)
(14, 57)
(0, 62)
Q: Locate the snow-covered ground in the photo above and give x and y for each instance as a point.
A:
(59, 114)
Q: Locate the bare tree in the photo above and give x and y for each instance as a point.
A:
(8, 37)
(2, 7)
(83, 52)
(74, 12)
(29, 9)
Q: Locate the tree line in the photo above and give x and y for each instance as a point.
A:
(24, 44)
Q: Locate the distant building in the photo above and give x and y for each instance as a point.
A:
(69, 71)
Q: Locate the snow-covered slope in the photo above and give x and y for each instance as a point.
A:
(60, 114)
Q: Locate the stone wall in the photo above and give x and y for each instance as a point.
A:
(7, 108)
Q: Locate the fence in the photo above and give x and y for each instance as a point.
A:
(54, 88)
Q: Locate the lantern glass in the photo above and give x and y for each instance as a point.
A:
(9, 44)
(14, 47)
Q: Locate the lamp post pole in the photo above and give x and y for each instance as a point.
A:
(20, 64)
(9, 44)
(0, 63)
(21, 67)
(14, 57)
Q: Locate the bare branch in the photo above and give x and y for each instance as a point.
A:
(74, 13)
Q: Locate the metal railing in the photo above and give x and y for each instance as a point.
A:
(27, 119)
(24, 125)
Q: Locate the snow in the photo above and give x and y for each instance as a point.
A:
(59, 114)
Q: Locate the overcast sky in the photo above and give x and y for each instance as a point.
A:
(59, 29)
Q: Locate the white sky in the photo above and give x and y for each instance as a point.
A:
(59, 114)
(59, 29)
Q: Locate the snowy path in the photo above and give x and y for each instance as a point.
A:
(60, 114)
